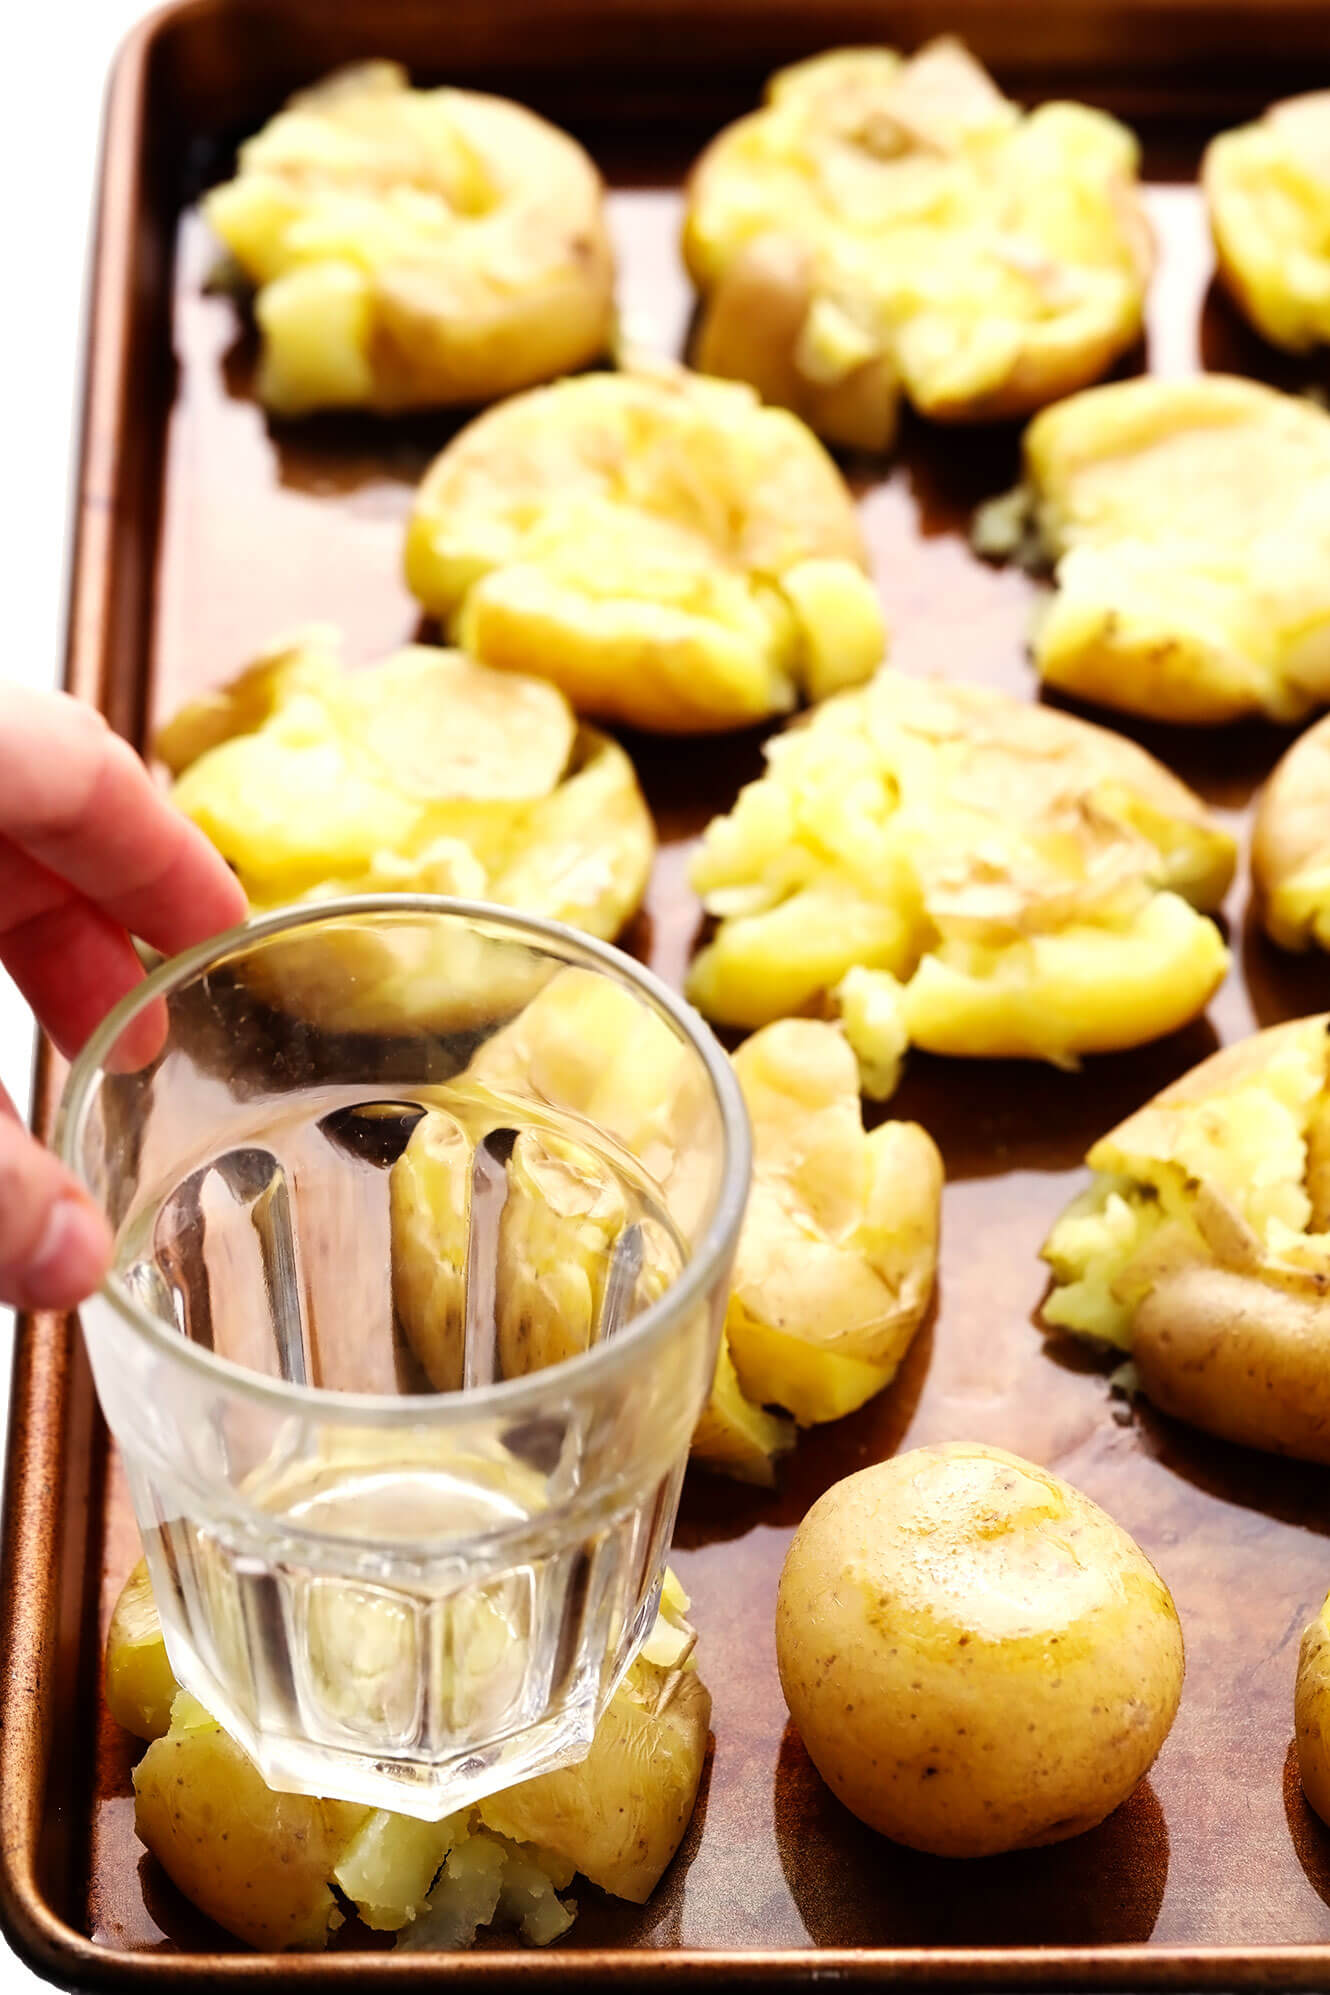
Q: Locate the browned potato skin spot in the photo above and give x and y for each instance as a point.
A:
(1238, 1358)
(978, 1659)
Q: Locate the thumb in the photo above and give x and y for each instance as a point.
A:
(54, 1244)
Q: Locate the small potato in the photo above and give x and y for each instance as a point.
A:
(888, 224)
(1311, 1711)
(1187, 521)
(415, 248)
(1202, 1245)
(425, 772)
(263, 1864)
(671, 554)
(1290, 854)
(965, 872)
(1267, 186)
(977, 1658)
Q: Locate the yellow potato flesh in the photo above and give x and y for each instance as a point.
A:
(263, 1864)
(668, 552)
(1190, 522)
(1201, 1244)
(426, 772)
(888, 223)
(1291, 844)
(966, 873)
(415, 248)
(1267, 186)
(838, 1252)
(977, 1658)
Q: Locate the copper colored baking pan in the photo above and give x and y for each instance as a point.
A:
(202, 531)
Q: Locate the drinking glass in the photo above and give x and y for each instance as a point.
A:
(424, 1215)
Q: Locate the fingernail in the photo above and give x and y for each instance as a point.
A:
(72, 1256)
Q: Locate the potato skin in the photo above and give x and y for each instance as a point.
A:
(1311, 1712)
(1240, 1358)
(977, 1658)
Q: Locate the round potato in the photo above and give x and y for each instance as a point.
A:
(415, 248)
(888, 223)
(1311, 1711)
(1202, 1244)
(1187, 522)
(1267, 186)
(671, 554)
(1290, 852)
(977, 1658)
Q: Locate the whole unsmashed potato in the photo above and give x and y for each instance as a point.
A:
(668, 552)
(1202, 1244)
(1290, 850)
(977, 1658)
(1187, 519)
(415, 248)
(1311, 1711)
(886, 223)
(1268, 189)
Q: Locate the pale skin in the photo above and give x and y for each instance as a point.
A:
(91, 853)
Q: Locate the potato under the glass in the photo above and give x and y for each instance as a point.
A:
(888, 225)
(415, 248)
(963, 872)
(277, 1870)
(671, 554)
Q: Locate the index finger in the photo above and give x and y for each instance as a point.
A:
(79, 800)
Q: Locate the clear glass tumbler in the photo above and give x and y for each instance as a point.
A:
(424, 1217)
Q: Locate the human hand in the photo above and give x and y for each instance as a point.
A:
(91, 853)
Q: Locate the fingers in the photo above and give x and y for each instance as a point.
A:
(71, 962)
(54, 1244)
(77, 800)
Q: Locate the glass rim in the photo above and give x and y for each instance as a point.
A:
(504, 1396)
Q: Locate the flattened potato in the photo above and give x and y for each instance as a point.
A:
(669, 553)
(1190, 523)
(965, 873)
(415, 248)
(1202, 1245)
(889, 223)
(838, 1252)
(263, 1864)
(977, 1658)
(1267, 186)
(426, 772)
(1290, 854)
(1311, 1712)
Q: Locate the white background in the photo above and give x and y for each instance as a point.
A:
(57, 57)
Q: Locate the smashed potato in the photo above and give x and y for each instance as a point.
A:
(1190, 524)
(888, 223)
(415, 248)
(1290, 854)
(424, 773)
(965, 873)
(1267, 186)
(977, 1658)
(836, 1257)
(271, 1868)
(1202, 1245)
(668, 552)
